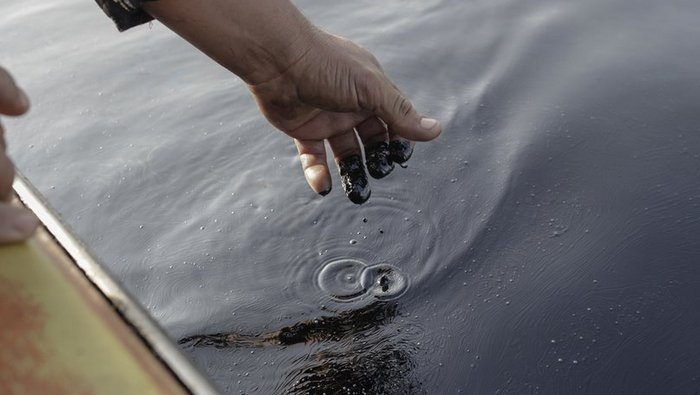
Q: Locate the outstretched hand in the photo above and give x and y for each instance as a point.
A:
(310, 84)
(337, 91)
(16, 224)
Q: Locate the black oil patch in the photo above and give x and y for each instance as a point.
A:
(400, 151)
(354, 179)
(379, 165)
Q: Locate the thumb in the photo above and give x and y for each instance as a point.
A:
(16, 224)
(13, 101)
(398, 112)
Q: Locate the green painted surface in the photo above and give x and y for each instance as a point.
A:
(53, 342)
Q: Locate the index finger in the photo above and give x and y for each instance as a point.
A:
(12, 100)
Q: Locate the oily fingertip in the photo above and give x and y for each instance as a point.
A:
(354, 179)
(378, 161)
(400, 151)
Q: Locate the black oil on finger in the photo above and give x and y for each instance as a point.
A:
(326, 192)
(400, 151)
(354, 179)
(378, 163)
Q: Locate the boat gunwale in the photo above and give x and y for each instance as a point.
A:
(135, 317)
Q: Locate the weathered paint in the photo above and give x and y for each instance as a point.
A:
(59, 335)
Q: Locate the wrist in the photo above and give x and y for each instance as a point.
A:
(275, 53)
(256, 40)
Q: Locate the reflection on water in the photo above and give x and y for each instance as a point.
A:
(332, 328)
(378, 367)
(550, 235)
(356, 357)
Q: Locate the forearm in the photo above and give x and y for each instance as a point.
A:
(255, 39)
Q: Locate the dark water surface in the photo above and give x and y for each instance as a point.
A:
(549, 240)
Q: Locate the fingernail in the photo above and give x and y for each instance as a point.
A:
(23, 99)
(354, 179)
(315, 177)
(378, 163)
(326, 191)
(428, 123)
(25, 223)
(400, 151)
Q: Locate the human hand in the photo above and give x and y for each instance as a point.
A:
(311, 85)
(337, 91)
(16, 224)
